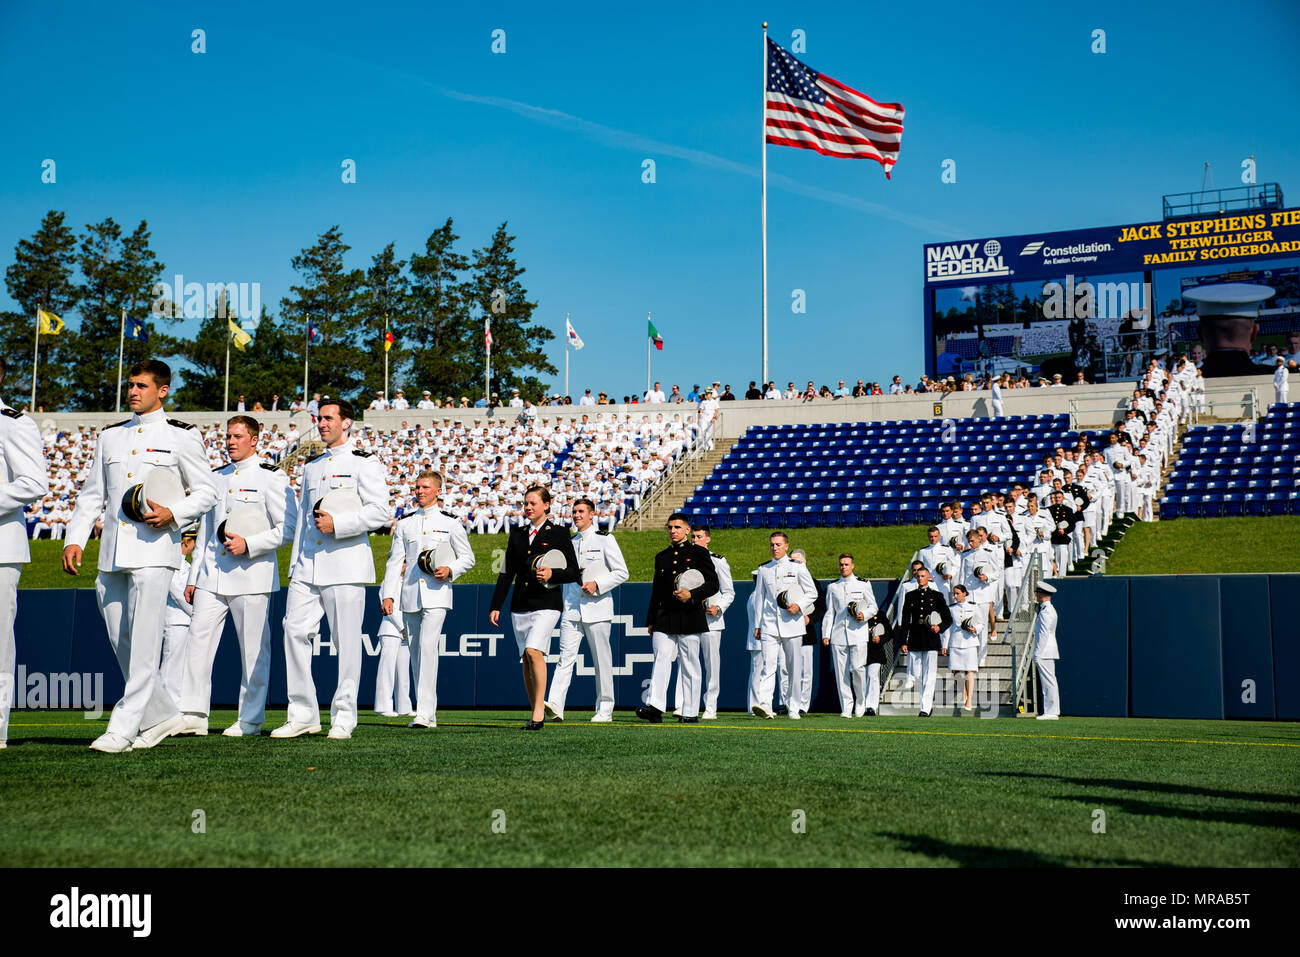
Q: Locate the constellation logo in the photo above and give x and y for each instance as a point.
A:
(1031, 248)
(75, 910)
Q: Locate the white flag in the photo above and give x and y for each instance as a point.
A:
(574, 341)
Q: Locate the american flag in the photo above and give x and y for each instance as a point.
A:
(809, 110)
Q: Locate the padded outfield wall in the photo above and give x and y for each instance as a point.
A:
(1196, 646)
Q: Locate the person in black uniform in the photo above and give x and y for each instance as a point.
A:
(534, 608)
(676, 620)
(1064, 518)
(920, 637)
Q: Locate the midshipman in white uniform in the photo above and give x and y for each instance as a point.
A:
(846, 627)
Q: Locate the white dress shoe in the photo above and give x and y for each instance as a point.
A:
(846, 714)
(709, 716)
(194, 724)
(762, 712)
(602, 719)
(291, 729)
(1048, 717)
(338, 734)
(3, 745)
(241, 730)
(163, 729)
(859, 712)
(422, 723)
(556, 716)
(388, 714)
(794, 716)
(111, 743)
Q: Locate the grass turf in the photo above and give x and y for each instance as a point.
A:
(1203, 546)
(873, 791)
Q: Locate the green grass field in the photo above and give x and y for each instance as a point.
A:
(1185, 546)
(872, 791)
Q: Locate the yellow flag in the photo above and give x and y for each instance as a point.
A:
(49, 323)
(242, 338)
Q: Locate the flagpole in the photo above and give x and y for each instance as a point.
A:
(487, 370)
(763, 146)
(385, 357)
(36, 347)
(306, 345)
(225, 398)
(121, 344)
(647, 353)
(566, 354)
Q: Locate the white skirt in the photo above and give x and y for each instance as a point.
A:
(964, 659)
(533, 629)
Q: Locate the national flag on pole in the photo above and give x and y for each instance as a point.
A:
(389, 339)
(487, 333)
(810, 111)
(48, 322)
(575, 341)
(241, 337)
(654, 334)
(135, 329)
(313, 333)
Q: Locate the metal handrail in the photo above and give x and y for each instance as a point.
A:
(1026, 696)
(702, 444)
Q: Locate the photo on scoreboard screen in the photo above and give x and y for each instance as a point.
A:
(1285, 281)
(1038, 328)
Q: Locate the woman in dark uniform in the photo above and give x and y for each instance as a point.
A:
(534, 608)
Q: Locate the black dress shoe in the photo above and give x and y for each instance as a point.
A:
(871, 712)
(651, 714)
(534, 725)
(684, 720)
(782, 709)
(924, 714)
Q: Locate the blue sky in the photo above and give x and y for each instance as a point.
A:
(233, 156)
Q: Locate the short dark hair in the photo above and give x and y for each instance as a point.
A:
(585, 501)
(679, 517)
(247, 421)
(844, 555)
(781, 534)
(542, 491)
(701, 527)
(157, 370)
(343, 405)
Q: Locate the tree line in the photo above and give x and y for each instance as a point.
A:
(434, 302)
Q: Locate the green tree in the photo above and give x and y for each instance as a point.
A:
(118, 272)
(517, 344)
(40, 277)
(445, 344)
(328, 298)
(386, 293)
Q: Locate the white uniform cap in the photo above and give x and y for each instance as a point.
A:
(1045, 588)
(1229, 299)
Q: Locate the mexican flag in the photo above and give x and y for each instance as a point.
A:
(654, 335)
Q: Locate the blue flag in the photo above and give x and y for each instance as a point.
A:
(135, 329)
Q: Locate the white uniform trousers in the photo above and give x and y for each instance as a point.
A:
(9, 575)
(806, 677)
(793, 649)
(666, 649)
(1076, 542)
(175, 647)
(755, 678)
(343, 606)
(851, 676)
(769, 653)
(393, 680)
(1061, 553)
(873, 687)
(597, 635)
(253, 632)
(1047, 681)
(1123, 494)
(132, 603)
(928, 666)
(424, 630)
(711, 658)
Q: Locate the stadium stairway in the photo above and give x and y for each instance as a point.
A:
(673, 489)
(994, 686)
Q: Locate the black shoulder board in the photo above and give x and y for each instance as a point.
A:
(116, 424)
(447, 513)
(364, 455)
(178, 423)
(268, 466)
(602, 531)
(12, 413)
(320, 456)
(715, 555)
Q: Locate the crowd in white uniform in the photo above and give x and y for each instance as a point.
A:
(613, 460)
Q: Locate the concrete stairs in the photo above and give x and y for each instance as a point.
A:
(994, 686)
(676, 487)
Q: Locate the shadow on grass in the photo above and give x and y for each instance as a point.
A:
(1161, 787)
(974, 855)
